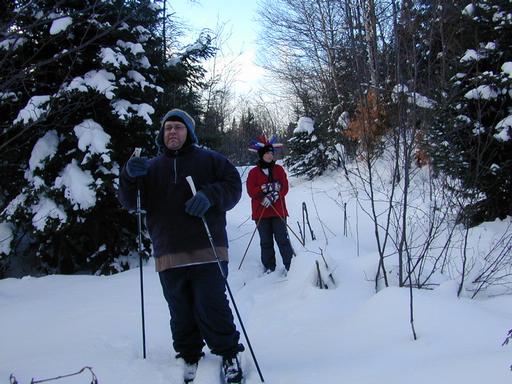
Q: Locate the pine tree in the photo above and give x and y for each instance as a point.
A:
(311, 152)
(428, 36)
(472, 139)
(248, 128)
(87, 91)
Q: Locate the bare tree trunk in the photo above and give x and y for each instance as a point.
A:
(164, 29)
(411, 302)
(370, 24)
(464, 261)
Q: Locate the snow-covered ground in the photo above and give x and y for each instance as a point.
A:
(55, 325)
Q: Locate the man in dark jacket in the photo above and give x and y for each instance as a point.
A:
(191, 280)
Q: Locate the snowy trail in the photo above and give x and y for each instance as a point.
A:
(56, 325)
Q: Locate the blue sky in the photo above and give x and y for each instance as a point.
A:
(239, 18)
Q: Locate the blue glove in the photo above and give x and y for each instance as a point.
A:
(137, 166)
(197, 205)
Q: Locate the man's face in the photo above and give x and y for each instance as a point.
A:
(175, 135)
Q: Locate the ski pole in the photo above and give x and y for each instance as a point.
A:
(250, 241)
(136, 153)
(207, 229)
(284, 221)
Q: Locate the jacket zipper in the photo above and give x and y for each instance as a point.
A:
(175, 171)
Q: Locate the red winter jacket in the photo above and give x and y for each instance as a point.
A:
(255, 180)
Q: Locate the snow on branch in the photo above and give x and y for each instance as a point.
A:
(412, 97)
(305, 124)
(60, 24)
(35, 108)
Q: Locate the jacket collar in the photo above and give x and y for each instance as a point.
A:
(180, 152)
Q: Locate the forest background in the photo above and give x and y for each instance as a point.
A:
(421, 86)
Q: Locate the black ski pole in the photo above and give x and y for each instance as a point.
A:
(136, 153)
(250, 241)
(207, 229)
(284, 221)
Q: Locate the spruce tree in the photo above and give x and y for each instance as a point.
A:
(311, 152)
(248, 128)
(471, 140)
(90, 83)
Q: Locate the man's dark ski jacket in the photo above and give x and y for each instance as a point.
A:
(165, 191)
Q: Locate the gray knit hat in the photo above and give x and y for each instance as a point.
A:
(182, 116)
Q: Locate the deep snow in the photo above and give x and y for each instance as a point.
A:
(56, 325)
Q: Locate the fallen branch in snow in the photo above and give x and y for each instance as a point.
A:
(94, 379)
(320, 282)
(507, 339)
(327, 267)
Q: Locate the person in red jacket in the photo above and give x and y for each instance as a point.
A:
(267, 185)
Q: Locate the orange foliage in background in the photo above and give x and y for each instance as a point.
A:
(369, 123)
(420, 155)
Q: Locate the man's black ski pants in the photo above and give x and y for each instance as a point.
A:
(199, 310)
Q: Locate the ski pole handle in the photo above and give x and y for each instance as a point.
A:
(192, 185)
(136, 152)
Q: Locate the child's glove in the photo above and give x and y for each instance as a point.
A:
(270, 198)
(271, 187)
